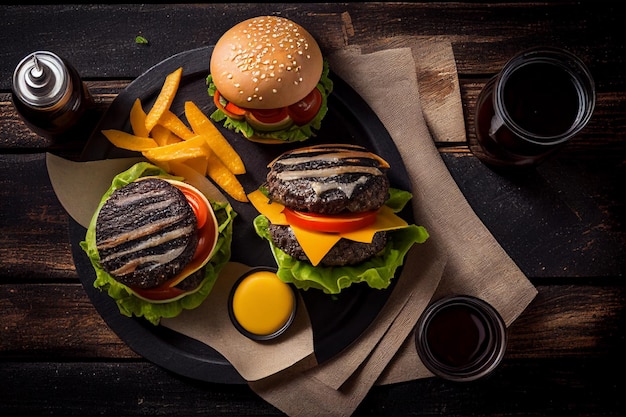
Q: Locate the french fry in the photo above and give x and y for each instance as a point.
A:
(192, 148)
(129, 141)
(173, 123)
(193, 152)
(198, 164)
(138, 120)
(164, 99)
(201, 125)
(225, 179)
(164, 136)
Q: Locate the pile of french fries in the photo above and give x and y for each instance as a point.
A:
(166, 141)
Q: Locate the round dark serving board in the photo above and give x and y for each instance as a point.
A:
(336, 320)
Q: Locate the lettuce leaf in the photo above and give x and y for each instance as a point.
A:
(126, 301)
(377, 272)
(292, 134)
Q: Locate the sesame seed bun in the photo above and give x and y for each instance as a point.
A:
(266, 62)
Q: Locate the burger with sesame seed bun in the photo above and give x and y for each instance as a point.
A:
(269, 81)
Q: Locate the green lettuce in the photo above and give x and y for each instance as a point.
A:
(377, 272)
(293, 133)
(128, 303)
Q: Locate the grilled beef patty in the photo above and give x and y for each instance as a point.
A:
(345, 251)
(146, 233)
(328, 179)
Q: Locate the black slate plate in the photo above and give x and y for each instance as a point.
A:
(336, 320)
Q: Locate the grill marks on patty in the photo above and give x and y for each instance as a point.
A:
(146, 233)
(329, 179)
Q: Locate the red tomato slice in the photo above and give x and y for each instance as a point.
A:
(338, 223)
(269, 116)
(306, 109)
(232, 110)
(206, 242)
(197, 205)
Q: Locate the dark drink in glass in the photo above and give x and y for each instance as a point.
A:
(541, 99)
(460, 338)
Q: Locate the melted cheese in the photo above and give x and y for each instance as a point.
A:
(317, 244)
(262, 303)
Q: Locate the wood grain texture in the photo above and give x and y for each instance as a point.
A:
(84, 335)
(576, 387)
(483, 35)
(563, 223)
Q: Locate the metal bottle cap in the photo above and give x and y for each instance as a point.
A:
(41, 79)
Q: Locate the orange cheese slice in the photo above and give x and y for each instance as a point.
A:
(317, 244)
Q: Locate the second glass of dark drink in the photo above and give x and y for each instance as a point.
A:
(541, 99)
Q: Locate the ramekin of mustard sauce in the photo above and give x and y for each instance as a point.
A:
(261, 306)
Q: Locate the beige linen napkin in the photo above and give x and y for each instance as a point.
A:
(476, 265)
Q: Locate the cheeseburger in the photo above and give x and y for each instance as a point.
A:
(329, 215)
(156, 243)
(269, 80)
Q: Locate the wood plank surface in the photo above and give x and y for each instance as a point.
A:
(563, 223)
(484, 35)
(93, 389)
(84, 335)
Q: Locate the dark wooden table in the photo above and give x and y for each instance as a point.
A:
(563, 223)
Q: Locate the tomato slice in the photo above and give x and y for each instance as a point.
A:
(206, 242)
(197, 205)
(269, 120)
(270, 116)
(306, 109)
(338, 223)
(232, 110)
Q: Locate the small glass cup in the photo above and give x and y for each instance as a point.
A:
(461, 338)
(540, 99)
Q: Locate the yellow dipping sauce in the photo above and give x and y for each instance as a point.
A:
(262, 303)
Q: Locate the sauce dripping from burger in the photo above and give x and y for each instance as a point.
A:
(327, 162)
(347, 188)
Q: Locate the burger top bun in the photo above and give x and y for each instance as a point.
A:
(266, 62)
